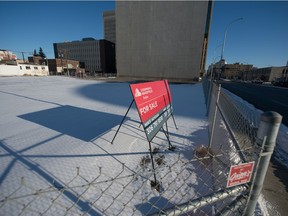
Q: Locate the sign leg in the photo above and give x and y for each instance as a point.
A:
(122, 121)
(174, 121)
(167, 136)
(155, 184)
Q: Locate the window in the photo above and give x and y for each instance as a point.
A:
(43, 68)
(36, 68)
(28, 68)
(20, 67)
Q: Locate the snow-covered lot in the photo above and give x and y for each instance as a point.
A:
(57, 131)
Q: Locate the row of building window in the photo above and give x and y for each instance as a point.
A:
(29, 68)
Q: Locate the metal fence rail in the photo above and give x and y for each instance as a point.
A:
(192, 182)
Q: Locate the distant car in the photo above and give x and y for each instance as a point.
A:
(257, 81)
(280, 83)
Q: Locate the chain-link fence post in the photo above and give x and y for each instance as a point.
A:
(214, 116)
(266, 135)
(208, 99)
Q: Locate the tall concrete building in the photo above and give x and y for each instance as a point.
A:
(109, 26)
(97, 55)
(162, 39)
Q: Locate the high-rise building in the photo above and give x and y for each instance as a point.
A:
(109, 26)
(162, 39)
(97, 55)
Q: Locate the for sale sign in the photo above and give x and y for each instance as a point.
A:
(240, 174)
(153, 102)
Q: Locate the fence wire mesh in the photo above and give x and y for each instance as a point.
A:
(190, 182)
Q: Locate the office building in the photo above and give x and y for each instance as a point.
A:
(235, 71)
(267, 74)
(98, 56)
(162, 39)
(109, 26)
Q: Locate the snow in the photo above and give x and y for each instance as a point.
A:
(53, 126)
(57, 132)
(281, 149)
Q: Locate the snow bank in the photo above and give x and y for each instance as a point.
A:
(281, 149)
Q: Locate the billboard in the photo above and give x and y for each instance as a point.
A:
(240, 174)
(154, 104)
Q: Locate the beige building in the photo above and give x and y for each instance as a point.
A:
(267, 74)
(6, 55)
(23, 70)
(234, 71)
(162, 39)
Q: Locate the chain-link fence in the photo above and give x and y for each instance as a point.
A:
(252, 136)
(190, 182)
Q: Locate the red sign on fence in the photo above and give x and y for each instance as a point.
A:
(153, 102)
(240, 174)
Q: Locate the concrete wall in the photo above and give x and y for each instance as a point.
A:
(160, 39)
(24, 70)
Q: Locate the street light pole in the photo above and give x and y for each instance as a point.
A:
(215, 51)
(224, 39)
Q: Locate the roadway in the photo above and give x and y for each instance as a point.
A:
(267, 98)
(263, 97)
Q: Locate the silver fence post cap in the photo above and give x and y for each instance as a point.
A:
(271, 117)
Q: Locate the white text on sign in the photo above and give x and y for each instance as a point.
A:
(148, 108)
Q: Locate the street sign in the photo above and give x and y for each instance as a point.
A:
(240, 174)
(153, 101)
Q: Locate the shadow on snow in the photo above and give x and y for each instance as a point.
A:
(77, 122)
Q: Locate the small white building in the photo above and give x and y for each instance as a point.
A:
(23, 70)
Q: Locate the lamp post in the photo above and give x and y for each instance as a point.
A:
(223, 44)
(225, 34)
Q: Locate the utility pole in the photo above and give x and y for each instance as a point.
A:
(64, 54)
(23, 57)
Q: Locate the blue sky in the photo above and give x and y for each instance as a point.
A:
(35, 24)
(259, 39)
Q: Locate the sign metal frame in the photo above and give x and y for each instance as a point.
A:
(154, 105)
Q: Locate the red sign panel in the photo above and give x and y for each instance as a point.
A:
(240, 174)
(153, 102)
(150, 98)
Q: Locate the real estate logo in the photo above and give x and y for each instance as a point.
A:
(137, 93)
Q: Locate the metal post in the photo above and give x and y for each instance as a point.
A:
(214, 116)
(266, 136)
(191, 205)
(167, 136)
(155, 183)
(174, 121)
(209, 95)
(122, 121)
